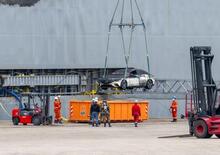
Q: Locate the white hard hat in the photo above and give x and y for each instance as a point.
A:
(136, 101)
(96, 99)
(56, 98)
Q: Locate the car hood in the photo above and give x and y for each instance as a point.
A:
(108, 80)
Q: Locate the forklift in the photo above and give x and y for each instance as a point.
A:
(204, 119)
(31, 112)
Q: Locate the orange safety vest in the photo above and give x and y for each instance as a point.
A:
(57, 106)
(174, 104)
(173, 107)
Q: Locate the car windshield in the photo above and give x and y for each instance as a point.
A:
(121, 71)
(118, 74)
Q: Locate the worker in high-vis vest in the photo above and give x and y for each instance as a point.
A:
(173, 109)
(57, 110)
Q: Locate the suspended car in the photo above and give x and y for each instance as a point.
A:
(134, 78)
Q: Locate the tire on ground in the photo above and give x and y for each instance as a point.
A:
(201, 129)
(36, 120)
(15, 121)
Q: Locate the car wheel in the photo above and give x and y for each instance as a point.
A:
(36, 120)
(149, 84)
(124, 84)
(201, 129)
(15, 121)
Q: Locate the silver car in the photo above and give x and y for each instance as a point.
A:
(135, 78)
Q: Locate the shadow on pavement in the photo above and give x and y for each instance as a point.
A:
(177, 136)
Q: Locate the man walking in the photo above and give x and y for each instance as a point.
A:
(136, 113)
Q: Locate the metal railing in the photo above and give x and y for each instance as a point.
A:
(172, 86)
(44, 80)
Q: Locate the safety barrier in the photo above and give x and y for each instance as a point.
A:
(120, 110)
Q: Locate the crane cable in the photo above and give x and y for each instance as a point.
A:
(122, 37)
(145, 37)
(131, 38)
(108, 42)
(121, 26)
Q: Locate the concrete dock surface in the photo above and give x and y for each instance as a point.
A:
(153, 137)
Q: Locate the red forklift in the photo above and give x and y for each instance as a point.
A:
(31, 112)
(204, 120)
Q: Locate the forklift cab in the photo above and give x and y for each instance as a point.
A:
(217, 103)
(215, 108)
(30, 108)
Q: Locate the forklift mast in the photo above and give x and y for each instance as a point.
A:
(204, 87)
(45, 102)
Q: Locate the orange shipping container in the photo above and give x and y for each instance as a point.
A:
(120, 110)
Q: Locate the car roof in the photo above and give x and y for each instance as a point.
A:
(121, 71)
